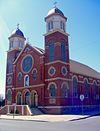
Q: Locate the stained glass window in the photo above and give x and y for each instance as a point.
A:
(75, 87)
(27, 63)
(85, 88)
(52, 90)
(63, 52)
(51, 52)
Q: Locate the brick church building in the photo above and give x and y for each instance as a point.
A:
(47, 79)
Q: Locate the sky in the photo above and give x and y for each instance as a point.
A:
(83, 26)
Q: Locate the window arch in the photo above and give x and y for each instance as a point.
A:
(64, 89)
(50, 25)
(9, 95)
(63, 51)
(86, 87)
(95, 89)
(75, 86)
(34, 74)
(62, 26)
(19, 77)
(52, 90)
(26, 80)
(51, 51)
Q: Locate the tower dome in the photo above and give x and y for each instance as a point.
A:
(55, 10)
(55, 20)
(17, 33)
(16, 39)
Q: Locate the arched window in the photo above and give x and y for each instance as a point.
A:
(52, 91)
(62, 26)
(50, 25)
(19, 99)
(75, 87)
(64, 90)
(51, 52)
(9, 95)
(34, 74)
(63, 51)
(19, 77)
(26, 80)
(95, 89)
(85, 88)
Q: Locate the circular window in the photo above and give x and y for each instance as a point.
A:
(51, 71)
(27, 63)
(64, 71)
(9, 80)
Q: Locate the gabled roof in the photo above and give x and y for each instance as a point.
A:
(40, 51)
(80, 68)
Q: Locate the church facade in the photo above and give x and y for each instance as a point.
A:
(48, 79)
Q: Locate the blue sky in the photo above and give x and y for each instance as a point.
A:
(83, 25)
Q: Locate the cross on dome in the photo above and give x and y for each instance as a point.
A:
(18, 26)
(55, 4)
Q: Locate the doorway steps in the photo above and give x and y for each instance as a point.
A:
(35, 111)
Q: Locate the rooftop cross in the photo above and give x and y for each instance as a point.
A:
(18, 26)
(55, 4)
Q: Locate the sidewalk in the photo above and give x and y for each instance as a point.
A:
(45, 118)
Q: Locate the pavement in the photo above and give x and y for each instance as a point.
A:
(45, 118)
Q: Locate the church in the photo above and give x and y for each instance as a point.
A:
(47, 79)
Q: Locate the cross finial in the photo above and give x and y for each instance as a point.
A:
(18, 26)
(55, 4)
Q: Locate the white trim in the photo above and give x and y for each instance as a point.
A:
(20, 53)
(29, 86)
(33, 70)
(52, 67)
(75, 77)
(66, 83)
(64, 67)
(56, 30)
(85, 79)
(57, 78)
(9, 74)
(22, 63)
(57, 62)
(25, 81)
(9, 86)
(51, 84)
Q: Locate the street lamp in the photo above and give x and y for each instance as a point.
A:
(82, 98)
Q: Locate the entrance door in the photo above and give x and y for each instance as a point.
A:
(34, 99)
(27, 98)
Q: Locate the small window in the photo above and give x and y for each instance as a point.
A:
(85, 88)
(64, 90)
(63, 51)
(62, 26)
(51, 52)
(75, 87)
(50, 25)
(95, 89)
(34, 74)
(26, 81)
(52, 91)
(9, 95)
(19, 77)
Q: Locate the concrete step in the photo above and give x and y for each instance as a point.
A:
(35, 111)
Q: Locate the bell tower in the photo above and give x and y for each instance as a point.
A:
(57, 65)
(16, 44)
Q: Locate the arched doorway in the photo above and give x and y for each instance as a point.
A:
(19, 98)
(34, 99)
(26, 97)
